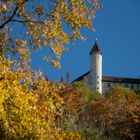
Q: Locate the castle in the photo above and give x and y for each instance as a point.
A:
(100, 83)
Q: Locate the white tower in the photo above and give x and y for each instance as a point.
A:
(96, 68)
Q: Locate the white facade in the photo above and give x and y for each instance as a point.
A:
(100, 83)
(96, 71)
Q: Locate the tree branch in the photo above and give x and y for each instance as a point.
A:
(25, 21)
(10, 18)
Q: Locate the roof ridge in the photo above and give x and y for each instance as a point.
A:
(95, 48)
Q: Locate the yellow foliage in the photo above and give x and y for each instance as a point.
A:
(43, 27)
(68, 136)
(27, 108)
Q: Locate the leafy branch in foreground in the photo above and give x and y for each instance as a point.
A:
(43, 24)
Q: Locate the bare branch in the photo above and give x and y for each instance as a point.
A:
(26, 21)
(10, 18)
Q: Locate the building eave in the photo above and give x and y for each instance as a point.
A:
(120, 79)
(81, 77)
(112, 79)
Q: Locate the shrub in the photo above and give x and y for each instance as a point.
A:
(118, 114)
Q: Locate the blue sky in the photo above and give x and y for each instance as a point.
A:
(117, 27)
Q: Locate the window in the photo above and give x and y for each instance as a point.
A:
(105, 84)
(126, 85)
(132, 86)
(108, 84)
(137, 86)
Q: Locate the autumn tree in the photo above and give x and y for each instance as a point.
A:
(43, 24)
(30, 105)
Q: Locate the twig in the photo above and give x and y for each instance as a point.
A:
(10, 18)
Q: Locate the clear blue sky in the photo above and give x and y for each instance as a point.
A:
(117, 27)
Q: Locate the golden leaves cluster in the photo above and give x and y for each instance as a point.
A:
(29, 106)
(44, 27)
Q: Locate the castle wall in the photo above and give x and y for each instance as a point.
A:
(107, 85)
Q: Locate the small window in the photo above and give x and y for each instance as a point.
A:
(108, 84)
(105, 84)
(126, 85)
(132, 86)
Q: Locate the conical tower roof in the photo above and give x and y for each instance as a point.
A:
(95, 48)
